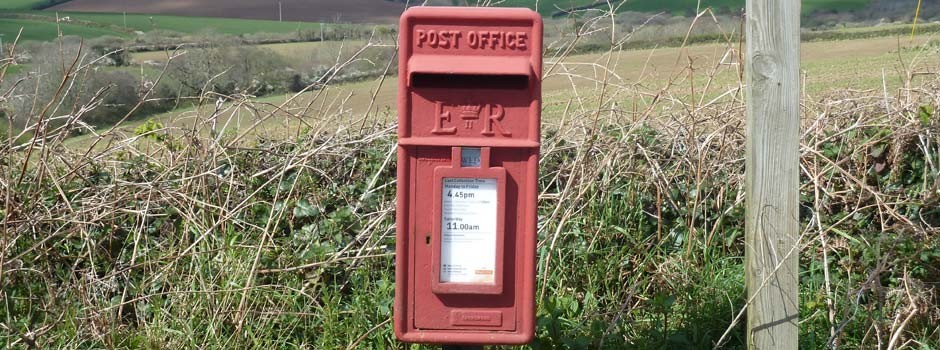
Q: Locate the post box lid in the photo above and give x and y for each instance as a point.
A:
(471, 65)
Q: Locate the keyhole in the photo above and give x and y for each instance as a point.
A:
(427, 240)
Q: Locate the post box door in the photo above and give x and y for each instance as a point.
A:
(473, 307)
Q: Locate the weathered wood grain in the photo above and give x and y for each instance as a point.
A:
(772, 218)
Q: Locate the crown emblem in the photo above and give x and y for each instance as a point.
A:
(469, 111)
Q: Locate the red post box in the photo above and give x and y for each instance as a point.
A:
(469, 104)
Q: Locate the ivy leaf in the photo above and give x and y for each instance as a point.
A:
(305, 209)
(925, 113)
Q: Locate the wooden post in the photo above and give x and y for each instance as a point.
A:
(772, 165)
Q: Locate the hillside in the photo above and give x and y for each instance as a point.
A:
(387, 11)
(20, 4)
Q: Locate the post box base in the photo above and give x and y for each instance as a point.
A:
(466, 338)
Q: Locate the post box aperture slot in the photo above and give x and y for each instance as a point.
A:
(467, 239)
(470, 81)
(463, 72)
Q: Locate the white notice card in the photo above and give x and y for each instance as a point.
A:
(468, 230)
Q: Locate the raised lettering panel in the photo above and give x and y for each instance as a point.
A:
(471, 40)
(467, 114)
(476, 318)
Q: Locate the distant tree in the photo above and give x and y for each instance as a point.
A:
(297, 83)
(229, 70)
(47, 4)
(113, 47)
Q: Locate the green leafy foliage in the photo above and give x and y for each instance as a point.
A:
(925, 114)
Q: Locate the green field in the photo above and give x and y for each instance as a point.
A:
(143, 22)
(43, 30)
(13, 69)
(41, 25)
(19, 4)
(679, 6)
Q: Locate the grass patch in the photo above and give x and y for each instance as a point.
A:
(184, 24)
(294, 52)
(546, 8)
(15, 68)
(20, 4)
(41, 25)
(833, 5)
(40, 30)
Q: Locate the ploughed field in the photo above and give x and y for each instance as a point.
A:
(355, 11)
